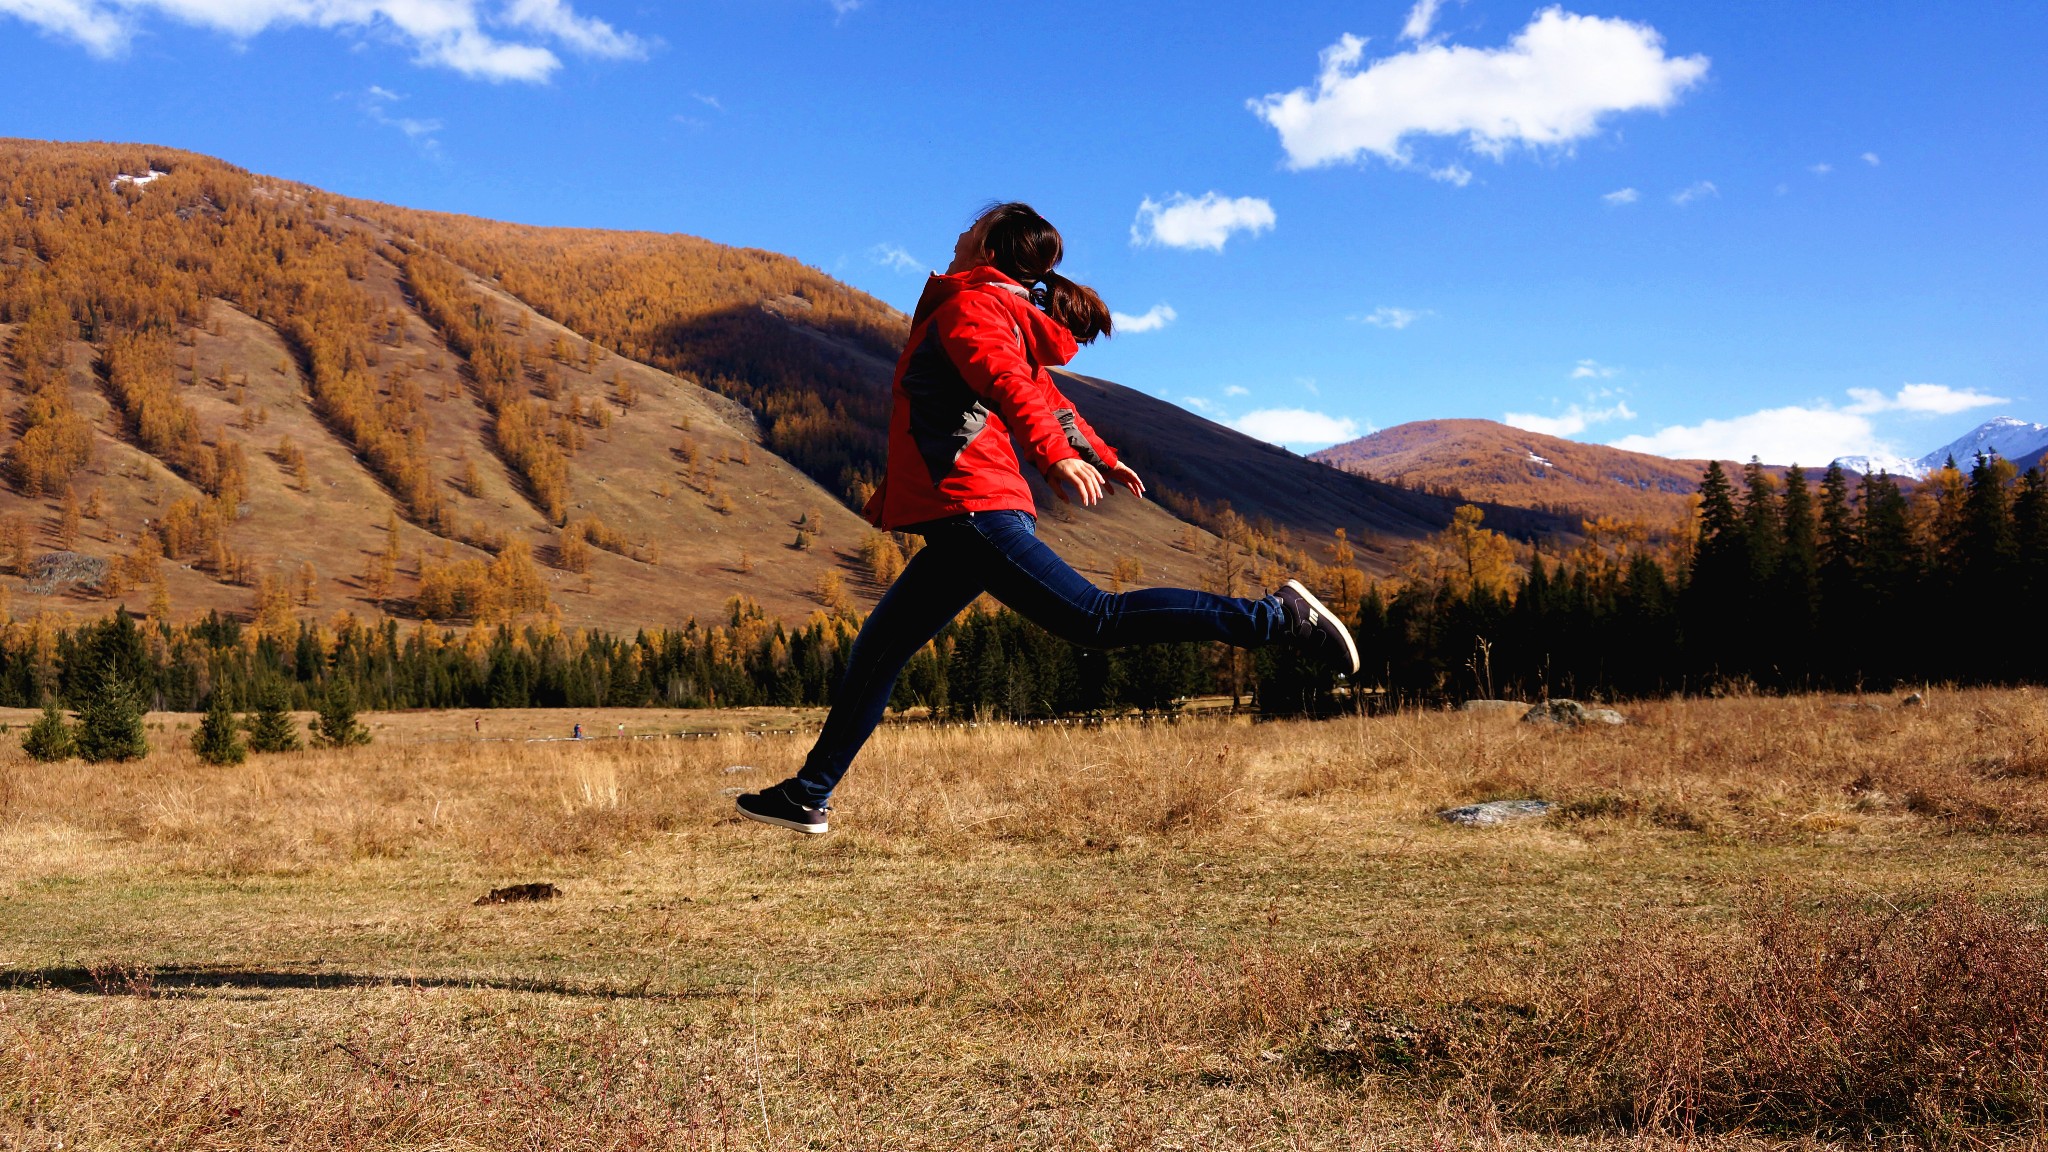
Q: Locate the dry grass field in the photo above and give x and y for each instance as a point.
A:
(1749, 923)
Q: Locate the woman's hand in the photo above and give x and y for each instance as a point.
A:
(1123, 475)
(1086, 481)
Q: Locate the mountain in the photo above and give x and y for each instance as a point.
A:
(2006, 436)
(1490, 461)
(232, 392)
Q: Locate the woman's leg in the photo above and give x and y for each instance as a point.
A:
(1022, 572)
(933, 589)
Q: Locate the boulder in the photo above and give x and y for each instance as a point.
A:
(1495, 812)
(1571, 714)
(1490, 707)
(1916, 700)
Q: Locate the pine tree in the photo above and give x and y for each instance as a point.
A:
(1839, 598)
(110, 721)
(49, 738)
(1798, 580)
(1889, 565)
(271, 727)
(1761, 525)
(335, 726)
(219, 739)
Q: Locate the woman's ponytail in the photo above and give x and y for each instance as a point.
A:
(1022, 245)
(1076, 306)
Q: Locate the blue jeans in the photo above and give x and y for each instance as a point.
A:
(999, 553)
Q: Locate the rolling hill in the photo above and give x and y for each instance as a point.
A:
(1490, 461)
(226, 391)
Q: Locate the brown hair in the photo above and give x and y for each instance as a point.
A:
(1026, 247)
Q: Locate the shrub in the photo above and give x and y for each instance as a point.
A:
(49, 738)
(219, 738)
(335, 726)
(271, 728)
(110, 722)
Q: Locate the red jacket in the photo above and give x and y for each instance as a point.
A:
(973, 372)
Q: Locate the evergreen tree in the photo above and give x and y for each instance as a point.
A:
(2030, 546)
(335, 726)
(218, 739)
(1717, 608)
(1838, 610)
(1890, 569)
(1762, 527)
(1986, 570)
(271, 727)
(49, 738)
(1797, 587)
(110, 721)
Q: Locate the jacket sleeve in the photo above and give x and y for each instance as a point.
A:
(1080, 437)
(980, 337)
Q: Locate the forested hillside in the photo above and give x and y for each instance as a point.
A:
(231, 392)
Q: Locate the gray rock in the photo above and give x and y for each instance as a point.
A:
(1571, 714)
(1494, 812)
(1914, 701)
(53, 570)
(1490, 707)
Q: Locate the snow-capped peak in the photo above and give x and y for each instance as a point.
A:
(2005, 436)
(1872, 464)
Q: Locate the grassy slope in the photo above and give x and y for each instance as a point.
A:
(1072, 939)
(1489, 461)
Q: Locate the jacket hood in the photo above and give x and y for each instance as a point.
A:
(1048, 341)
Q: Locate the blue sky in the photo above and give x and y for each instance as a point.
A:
(1792, 230)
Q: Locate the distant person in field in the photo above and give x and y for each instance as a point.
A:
(972, 375)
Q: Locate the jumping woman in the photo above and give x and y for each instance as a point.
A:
(972, 375)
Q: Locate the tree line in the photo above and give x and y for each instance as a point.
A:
(1777, 585)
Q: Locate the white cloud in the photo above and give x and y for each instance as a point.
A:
(376, 104)
(1795, 434)
(1205, 406)
(1808, 433)
(1388, 317)
(1296, 426)
(1548, 88)
(1622, 196)
(894, 258)
(1922, 399)
(1871, 159)
(1237, 390)
(1421, 19)
(1593, 370)
(446, 33)
(1704, 190)
(1570, 422)
(1821, 169)
(1204, 221)
(1155, 318)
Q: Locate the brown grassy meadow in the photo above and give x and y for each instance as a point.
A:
(1750, 923)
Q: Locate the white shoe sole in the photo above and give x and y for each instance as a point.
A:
(1315, 605)
(779, 822)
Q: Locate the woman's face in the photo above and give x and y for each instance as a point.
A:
(967, 250)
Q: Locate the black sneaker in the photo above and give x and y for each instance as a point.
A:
(773, 806)
(1316, 630)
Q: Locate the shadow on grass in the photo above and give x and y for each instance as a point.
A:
(191, 979)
